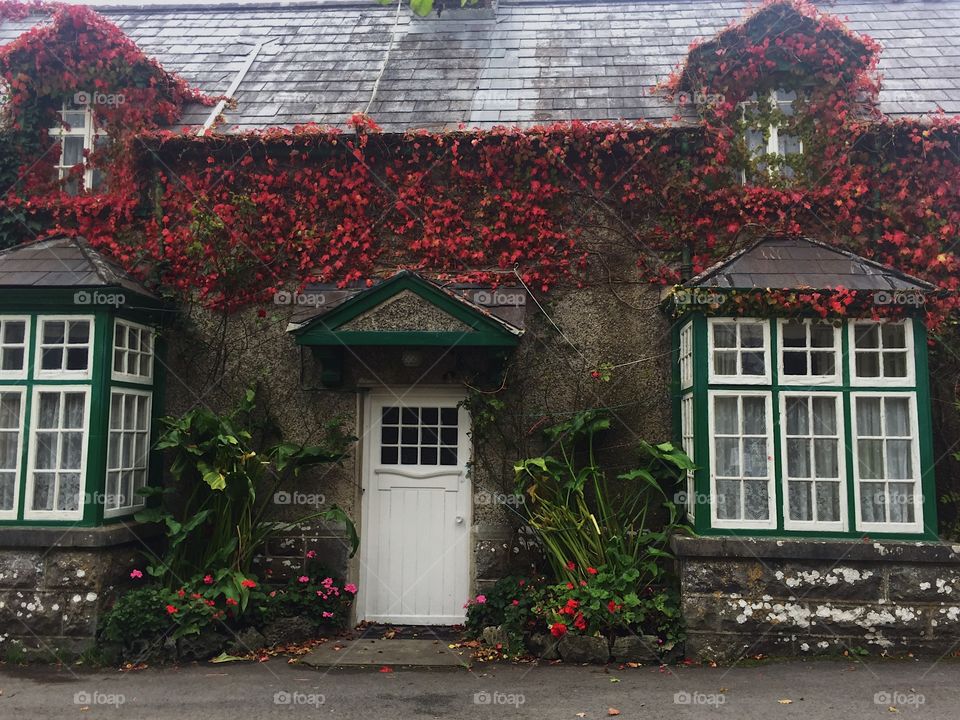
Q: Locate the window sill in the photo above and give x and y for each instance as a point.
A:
(853, 550)
(76, 537)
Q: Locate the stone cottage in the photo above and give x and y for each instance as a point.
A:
(747, 253)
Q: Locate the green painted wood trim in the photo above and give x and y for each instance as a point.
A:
(325, 330)
(397, 338)
(847, 409)
(701, 426)
(928, 478)
(64, 300)
(97, 428)
(778, 473)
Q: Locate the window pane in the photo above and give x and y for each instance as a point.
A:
(49, 415)
(51, 359)
(794, 363)
(14, 332)
(72, 151)
(753, 363)
(725, 363)
(755, 457)
(866, 336)
(79, 333)
(824, 416)
(801, 500)
(43, 487)
(897, 417)
(728, 457)
(788, 144)
(8, 482)
(10, 410)
(798, 458)
(870, 458)
(822, 363)
(894, 336)
(751, 336)
(724, 335)
(826, 460)
(798, 416)
(726, 416)
(828, 502)
(902, 500)
(76, 359)
(68, 497)
(73, 410)
(728, 499)
(754, 416)
(868, 416)
(868, 364)
(873, 502)
(821, 335)
(899, 461)
(894, 364)
(756, 500)
(794, 334)
(12, 358)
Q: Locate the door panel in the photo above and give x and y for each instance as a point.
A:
(415, 536)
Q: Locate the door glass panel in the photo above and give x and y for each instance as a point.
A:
(419, 435)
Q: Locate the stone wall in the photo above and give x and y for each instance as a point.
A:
(55, 584)
(743, 597)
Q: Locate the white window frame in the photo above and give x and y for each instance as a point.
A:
(815, 525)
(20, 374)
(908, 381)
(772, 131)
(14, 512)
(784, 379)
(128, 377)
(28, 512)
(742, 524)
(138, 501)
(739, 379)
(687, 438)
(685, 356)
(58, 374)
(90, 136)
(916, 527)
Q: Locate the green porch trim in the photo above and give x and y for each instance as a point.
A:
(325, 330)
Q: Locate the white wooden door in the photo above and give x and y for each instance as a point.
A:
(415, 532)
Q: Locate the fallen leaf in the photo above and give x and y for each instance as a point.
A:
(614, 679)
(386, 669)
(892, 709)
(581, 714)
(612, 711)
(785, 701)
(224, 657)
(633, 664)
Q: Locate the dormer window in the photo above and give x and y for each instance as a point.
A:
(769, 121)
(78, 137)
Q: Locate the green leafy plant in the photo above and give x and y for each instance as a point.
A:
(513, 604)
(228, 489)
(316, 596)
(584, 520)
(425, 7)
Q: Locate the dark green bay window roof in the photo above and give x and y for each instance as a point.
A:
(804, 426)
(409, 310)
(79, 379)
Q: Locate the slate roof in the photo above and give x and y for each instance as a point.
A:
(535, 61)
(62, 263)
(783, 263)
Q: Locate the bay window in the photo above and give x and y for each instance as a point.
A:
(804, 425)
(76, 410)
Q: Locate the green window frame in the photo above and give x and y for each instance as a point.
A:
(62, 414)
(825, 473)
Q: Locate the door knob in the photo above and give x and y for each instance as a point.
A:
(459, 519)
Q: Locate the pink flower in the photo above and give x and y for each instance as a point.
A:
(208, 579)
(303, 579)
(481, 599)
(350, 588)
(136, 574)
(172, 609)
(311, 554)
(327, 614)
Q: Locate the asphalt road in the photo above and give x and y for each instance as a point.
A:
(815, 690)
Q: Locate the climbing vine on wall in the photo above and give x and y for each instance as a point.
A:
(232, 218)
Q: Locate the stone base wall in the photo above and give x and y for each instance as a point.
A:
(743, 597)
(55, 584)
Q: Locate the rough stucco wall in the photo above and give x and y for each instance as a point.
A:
(212, 359)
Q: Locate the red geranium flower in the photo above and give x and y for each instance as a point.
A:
(571, 565)
(231, 601)
(248, 583)
(171, 609)
(208, 579)
(591, 571)
(558, 630)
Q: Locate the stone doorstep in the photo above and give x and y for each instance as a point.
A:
(379, 652)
